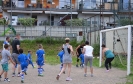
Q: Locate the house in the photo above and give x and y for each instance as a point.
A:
(94, 11)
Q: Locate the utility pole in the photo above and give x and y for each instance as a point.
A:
(71, 16)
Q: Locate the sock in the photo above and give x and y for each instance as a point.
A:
(22, 76)
(41, 70)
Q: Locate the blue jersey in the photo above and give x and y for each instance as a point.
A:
(29, 56)
(60, 54)
(40, 54)
(6, 42)
(22, 58)
(82, 58)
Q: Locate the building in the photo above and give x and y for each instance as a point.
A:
(96, 12)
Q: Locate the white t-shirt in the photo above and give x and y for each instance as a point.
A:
(88, 50)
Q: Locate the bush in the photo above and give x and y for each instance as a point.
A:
(27, 21)
(75, 22)
(96, 49)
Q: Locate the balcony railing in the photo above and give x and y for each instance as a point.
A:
(98, 5)
(41, 5)
(125, 6)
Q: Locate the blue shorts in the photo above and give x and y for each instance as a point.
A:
(24, 67)
(40, 62)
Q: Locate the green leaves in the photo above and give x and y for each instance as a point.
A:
(125, 22)
(75, 22)
(3, 21)
(27, 21)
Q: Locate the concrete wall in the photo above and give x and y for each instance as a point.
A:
(59, 31)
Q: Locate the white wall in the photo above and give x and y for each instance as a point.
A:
(41, 17)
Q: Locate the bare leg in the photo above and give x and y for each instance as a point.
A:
(69, 69)
(14, 68)
(5, 74)
(18, 68)
(1, 73)
(63, 69)
(85, 69)
(91, 70)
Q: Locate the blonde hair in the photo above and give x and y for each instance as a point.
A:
(40, 46)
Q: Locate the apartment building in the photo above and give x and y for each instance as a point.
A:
(57, 10)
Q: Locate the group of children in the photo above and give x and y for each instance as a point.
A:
(24, 60)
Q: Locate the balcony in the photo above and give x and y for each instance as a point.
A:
(125, 7)
(40, 6)
(97, 6)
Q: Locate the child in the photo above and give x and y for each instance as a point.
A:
(60, 54)
(22, 58)
(40, 53)
(82, 60)
(4, 62)
(30, 59)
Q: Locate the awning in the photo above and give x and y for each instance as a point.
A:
(55, 12)
(97, 12)
(21, 11)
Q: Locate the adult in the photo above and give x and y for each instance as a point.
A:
(15, 53)
(78, 53)
(7, 42)
(67, 59)
(108, 54)
(88, 56)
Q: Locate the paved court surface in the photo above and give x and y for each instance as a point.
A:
(115, 76)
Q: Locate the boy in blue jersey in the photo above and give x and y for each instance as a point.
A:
(60, 54)
(7, 42)
(40, 53)
(82, 60)
(29, 58)
(22, 58)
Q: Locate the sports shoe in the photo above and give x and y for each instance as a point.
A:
(63, 72)
(13, 74)
(68, 79)
(18, 75)
(107, 70)
(58, 76)
(77, 66)
(22, 81)
(6, 79)
(25, 73)
(91, 75)
(85, 75)
(40, 75)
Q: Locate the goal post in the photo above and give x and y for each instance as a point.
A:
(129, 38)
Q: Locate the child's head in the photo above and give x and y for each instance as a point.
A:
(20, 51)
(29, 51)
(6, 46)
(40, 46)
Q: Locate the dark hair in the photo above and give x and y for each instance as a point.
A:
(6, 46)
(87, 42)
(67, 41)
(7, 37)
(29, 51)
(103, 45)
(20, 51)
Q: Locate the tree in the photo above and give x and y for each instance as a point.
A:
(27, 22)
